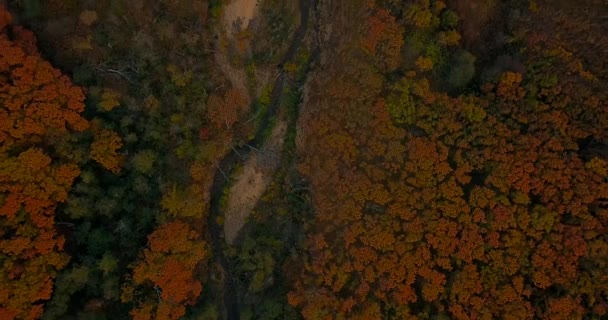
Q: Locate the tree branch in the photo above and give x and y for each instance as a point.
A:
(222, 172)
(108, 70)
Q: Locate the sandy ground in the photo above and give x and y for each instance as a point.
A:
(256, 174)
(239, 9)
(235, 11)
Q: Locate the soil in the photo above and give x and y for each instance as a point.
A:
(239, 12)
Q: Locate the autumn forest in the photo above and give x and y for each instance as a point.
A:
(303, 159)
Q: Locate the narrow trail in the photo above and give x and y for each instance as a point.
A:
(229, 162)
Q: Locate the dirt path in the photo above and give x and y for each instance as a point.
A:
(256, 174)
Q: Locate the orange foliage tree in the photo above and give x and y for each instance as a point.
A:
(225, 110)
(168, 266)
(383, 39)
(38, 106)
(482, 206)
(104, 149)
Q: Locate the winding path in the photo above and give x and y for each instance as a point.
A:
(228, 163)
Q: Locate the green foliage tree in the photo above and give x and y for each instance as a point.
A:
(143, 161)
(462, 69)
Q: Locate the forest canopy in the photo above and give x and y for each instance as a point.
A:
(441, 194)
(303, 159)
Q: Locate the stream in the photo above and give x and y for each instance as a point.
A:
(230, 160)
